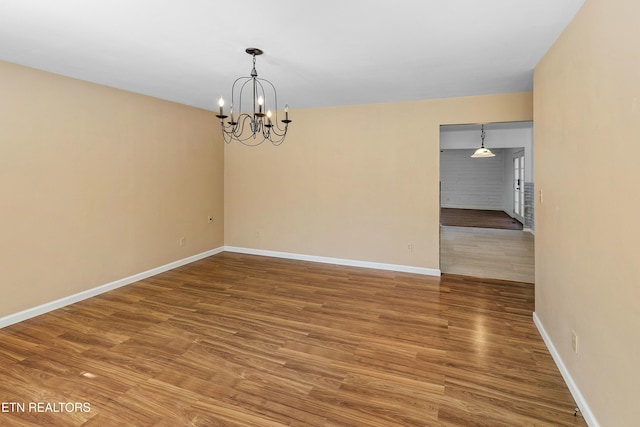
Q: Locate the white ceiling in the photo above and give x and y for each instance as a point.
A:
(320, 53)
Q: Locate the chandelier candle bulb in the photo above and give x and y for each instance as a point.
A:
(221, 105)
(286, 111)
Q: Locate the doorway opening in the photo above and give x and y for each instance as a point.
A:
(486, 204)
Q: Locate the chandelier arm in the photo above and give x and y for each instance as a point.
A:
(278, 132)
(261, 92)
(228, 138)
(243, 142)
(245, 80)
(250, 140)
(276, 142)
(229, 129)
(239, 131)
(275, 121)
(273, 138)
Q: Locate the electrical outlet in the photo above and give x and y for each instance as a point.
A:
(574, 342)
(209, 219)
(182, 242)
(410, 247)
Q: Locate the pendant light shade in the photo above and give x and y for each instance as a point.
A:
(482, 151)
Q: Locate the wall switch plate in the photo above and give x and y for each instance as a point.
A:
(574, 342)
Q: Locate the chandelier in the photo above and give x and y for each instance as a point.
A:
(257, 123)
(482, 152)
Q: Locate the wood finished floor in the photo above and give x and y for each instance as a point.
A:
(487, 252)
(478, 218)
(239, 340)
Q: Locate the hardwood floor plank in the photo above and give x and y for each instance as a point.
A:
(240, 340)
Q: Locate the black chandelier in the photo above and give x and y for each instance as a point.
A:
(258, 123)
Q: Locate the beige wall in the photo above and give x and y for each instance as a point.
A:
(587, 140)
(97, 184)
(356, 182)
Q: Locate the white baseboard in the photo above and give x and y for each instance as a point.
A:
(337, 261)
(585, 410)
(62, 302)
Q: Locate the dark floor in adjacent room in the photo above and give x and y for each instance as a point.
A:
(478, 218)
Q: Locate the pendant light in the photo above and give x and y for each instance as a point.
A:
(482, 151)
